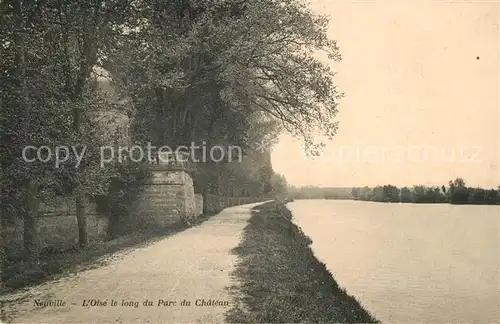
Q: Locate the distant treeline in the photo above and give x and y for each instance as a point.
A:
(456, 192)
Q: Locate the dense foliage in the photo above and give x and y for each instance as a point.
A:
(456, 193)
(194, 71)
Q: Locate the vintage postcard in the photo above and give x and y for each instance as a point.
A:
(249, 161)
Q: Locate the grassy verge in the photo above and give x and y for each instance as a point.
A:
(19, 273)
(280, 280)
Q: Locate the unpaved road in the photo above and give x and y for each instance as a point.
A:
(192, 265)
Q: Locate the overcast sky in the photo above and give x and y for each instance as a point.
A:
(422, 96)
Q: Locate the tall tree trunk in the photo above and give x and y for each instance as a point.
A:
(31, 203)
(81, 218)
(2, 250)
(87, 61)
(30, 220)
(74, 90)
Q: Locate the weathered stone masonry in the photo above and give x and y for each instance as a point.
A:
(167, 198)
(57, 225)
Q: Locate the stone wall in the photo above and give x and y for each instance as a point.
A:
(57, 225)
(167, 198)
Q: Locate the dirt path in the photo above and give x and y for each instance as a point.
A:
(192, 265)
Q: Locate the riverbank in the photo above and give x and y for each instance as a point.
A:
(51, 264)
(280, 279)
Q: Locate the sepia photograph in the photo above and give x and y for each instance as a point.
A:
(249, 161)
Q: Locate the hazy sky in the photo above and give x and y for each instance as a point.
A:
(422, 96)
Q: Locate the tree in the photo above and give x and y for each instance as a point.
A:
(279, 187)
(365, 193)
(406, 195)
(84, 29)
(355, 193)
(459, 183)
(391, 193)
(378, 194)
(45, 92)
(227, 73)
(458, 193)
(275, 69)
(249, 71)
(419, 194)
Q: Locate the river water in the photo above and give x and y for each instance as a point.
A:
(410, 263)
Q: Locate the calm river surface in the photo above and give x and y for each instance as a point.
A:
(410, 263)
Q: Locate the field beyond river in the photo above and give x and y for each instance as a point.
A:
(409, 263)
